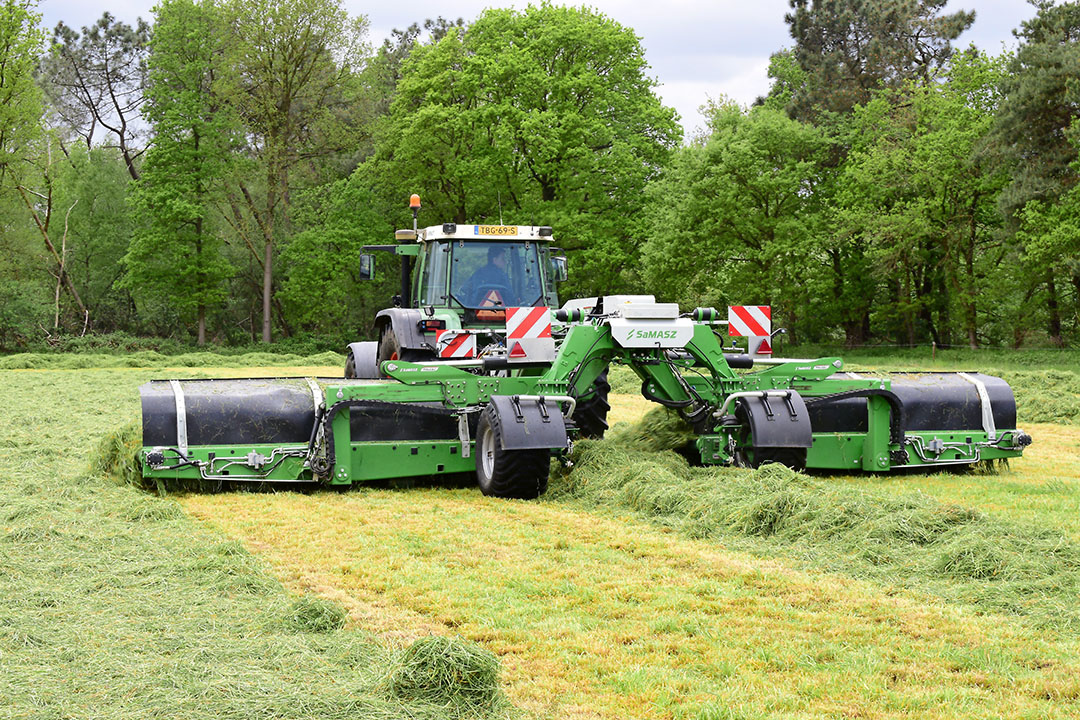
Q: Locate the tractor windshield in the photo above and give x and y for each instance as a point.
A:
(495, 274)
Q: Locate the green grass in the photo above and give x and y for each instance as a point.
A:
(598, 614)
(993, 360)
(900, 539)
(116, 604)
(793, 597)
(151, 358)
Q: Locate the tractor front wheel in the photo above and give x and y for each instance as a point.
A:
(502, 473)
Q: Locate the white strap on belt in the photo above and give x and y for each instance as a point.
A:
(316, 393)
(181, 418)
(984, 402)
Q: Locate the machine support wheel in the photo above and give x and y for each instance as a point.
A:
(749, 456)
(590, 415)
(502, 473)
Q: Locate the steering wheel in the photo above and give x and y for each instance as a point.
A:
(484, 290)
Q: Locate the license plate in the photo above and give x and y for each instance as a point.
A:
(496, 230)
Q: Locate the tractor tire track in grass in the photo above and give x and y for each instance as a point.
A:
(597, 616)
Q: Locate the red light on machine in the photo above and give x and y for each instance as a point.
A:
(517, 351)
(432, 325)
(414, 201)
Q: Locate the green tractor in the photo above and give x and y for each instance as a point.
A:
(458, 284)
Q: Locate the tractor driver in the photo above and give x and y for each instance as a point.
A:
(490, 285)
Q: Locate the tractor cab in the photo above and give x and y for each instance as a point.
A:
(459, 277)
(478, 274)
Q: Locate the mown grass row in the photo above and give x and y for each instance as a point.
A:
(905, 540)
(151, 359)
(115, 604)
(1042, 396)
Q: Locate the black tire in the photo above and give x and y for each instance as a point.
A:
(350, 365)
(521, 474)
(749, 456)
(390, 349)
(590, 415)
(389, 346)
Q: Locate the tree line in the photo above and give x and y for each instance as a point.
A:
(211, 176)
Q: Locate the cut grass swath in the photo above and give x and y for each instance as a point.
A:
(903, 539)
(116, 605)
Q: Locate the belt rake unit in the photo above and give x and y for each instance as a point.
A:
(489, 417)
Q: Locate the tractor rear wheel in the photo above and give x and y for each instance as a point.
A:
(502, 473)
(390, 349)
(590, 415)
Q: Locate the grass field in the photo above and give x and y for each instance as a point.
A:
(118, 604)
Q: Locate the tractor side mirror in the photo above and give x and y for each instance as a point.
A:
(560, 267)
(367, 267)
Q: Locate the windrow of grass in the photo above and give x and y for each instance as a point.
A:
(1042, 396)
(1045, 396)
(116, 604)
(151, 359)
(903, 540)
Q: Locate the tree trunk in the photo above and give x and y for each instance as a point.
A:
(1054, 319)
(201, 276)
(268, 278)
(62, 275)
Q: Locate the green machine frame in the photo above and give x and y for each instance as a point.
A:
(740, 417)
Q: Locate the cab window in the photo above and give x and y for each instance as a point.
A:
(495, 274)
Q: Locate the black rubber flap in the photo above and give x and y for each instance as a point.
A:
(404, 422)
(778, 421)
(932, 401)
(523, 426)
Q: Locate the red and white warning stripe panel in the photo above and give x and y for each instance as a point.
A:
(749, 320)
(528, 322)
(455, 343)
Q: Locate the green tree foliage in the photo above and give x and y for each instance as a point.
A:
(292, 66)
(1035, 137)
(1042, 97)
(383, 73)
(94, 184)
(540, 116)
(321, 290)
(886, 189)
(915, 192)
(95, 82)
(736, 218)
(20, 100)
(175, 253)
(26, 162)
(850, 48)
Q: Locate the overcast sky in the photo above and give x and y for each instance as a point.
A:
(697, 49)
